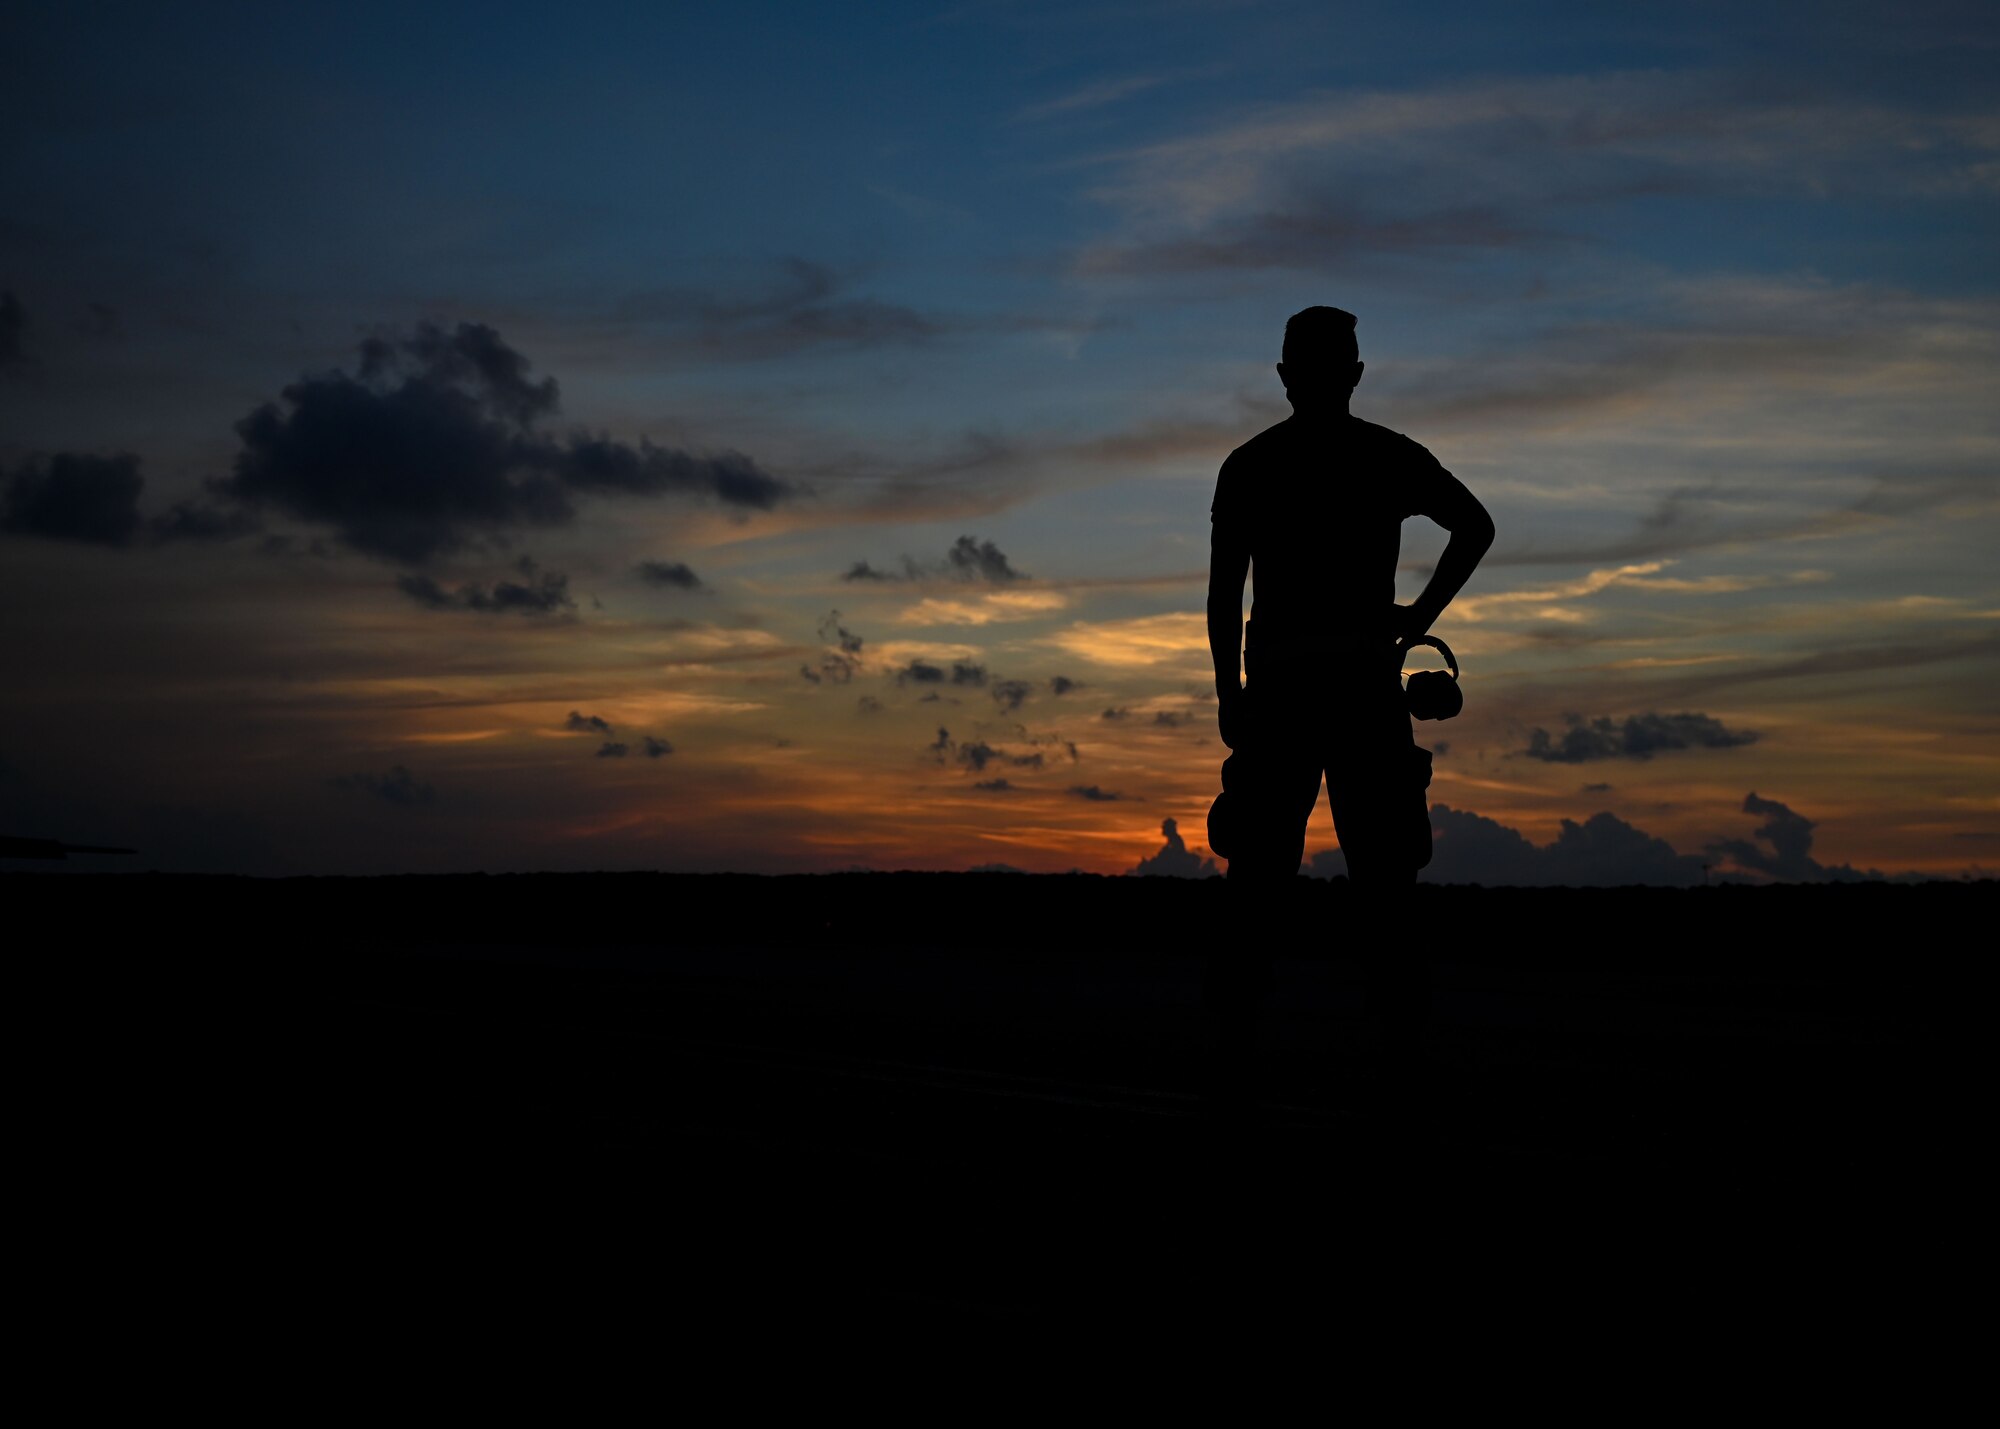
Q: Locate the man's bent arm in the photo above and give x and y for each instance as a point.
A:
(1471, 531)
(1228, 566)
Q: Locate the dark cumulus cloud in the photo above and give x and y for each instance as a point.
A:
(1604, 851)
(977, 755)
(1063, 685)
(967, 560)
(996, 786)
(435, 442)
(1327, 863)
(676, 575)
(832, 631)
(1010, 695)
(1638, 737)
(923, 672)
(581, 723)
(1094, 794)
(536, 593)
(1050, 740)
(399, 786)
(1117, 712)
(81, 496)
(1174, 859)
(76, 497)
(838, 663)
(1781, 847)
(201, 521)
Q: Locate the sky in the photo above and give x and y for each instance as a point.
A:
(779, 437)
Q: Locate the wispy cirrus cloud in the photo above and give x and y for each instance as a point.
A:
(1841, 660)
(1554, 601)
(1705, 336)
(799, 304)
(1317, 183)
(1094, 95)
(1319, 238)
(794, 305)
(992, 609)
(1175, 638)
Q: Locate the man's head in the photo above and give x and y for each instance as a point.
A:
(1322, 359)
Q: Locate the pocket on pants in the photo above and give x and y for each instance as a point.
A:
(1420, 830)
(1225, 814)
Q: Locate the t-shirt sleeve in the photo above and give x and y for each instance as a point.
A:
(1427, 489)
(1227, 507)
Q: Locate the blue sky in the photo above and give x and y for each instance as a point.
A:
(1698, 298)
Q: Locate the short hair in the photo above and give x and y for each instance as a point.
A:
(1317, 336)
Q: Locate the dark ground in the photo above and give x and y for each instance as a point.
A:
(879, 1100)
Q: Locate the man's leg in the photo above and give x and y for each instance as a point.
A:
(1275, 788)
(1377, 781)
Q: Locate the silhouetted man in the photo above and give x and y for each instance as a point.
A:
(1315, 506)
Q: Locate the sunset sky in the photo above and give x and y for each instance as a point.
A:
(780, 437)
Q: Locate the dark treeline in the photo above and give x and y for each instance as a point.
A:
(586, 915)
(982, 1095)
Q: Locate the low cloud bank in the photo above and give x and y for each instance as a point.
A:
(1604, 851)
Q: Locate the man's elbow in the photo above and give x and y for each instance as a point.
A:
(1476, 531)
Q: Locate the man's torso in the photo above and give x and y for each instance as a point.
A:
(1320, 507)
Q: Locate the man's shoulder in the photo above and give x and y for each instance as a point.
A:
(1268, 443)
(1239, 485)
(1388, 438)
(1283, 439)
